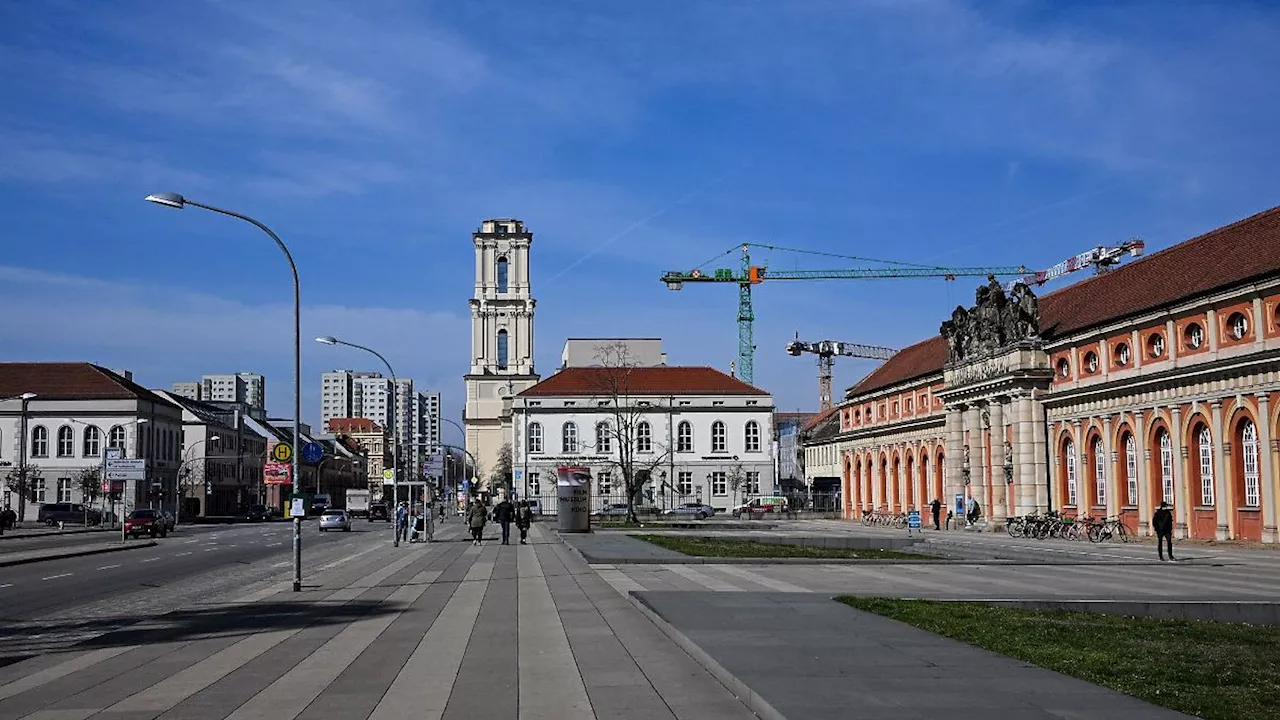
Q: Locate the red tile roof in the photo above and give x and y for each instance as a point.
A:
(661, 380)
(353, 425)
(1232, 255)
(70, 381)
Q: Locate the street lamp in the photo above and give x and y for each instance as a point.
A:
(395, 446)
(174, 200)
(177, 513)
(22, 452)
(474, 465)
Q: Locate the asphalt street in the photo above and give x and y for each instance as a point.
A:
(20, 543)
(37, 589)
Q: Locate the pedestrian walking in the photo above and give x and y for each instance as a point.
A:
(476, 516)
(1162, 524)
(402, 522)
(503, 514)
(524, 518)
(935, 507)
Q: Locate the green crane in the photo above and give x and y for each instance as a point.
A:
(756, 274)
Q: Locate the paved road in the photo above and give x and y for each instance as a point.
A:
(42, 541)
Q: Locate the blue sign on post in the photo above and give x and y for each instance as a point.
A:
(312, 452)
(913, 520)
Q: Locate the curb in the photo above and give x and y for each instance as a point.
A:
(55, 533)
(754, 702)
(593, 560)
(80, 553)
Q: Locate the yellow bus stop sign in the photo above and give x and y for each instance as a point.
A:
(282, 452)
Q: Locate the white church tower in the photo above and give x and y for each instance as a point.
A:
(501, 337)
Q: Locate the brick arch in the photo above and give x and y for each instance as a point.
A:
(1126, 476)
(883, 484)
(1155, 465)
(895, 472)
(1248, 485)
(939, 459)
(1203, 521)
(909, 469)
(847, 490)
(1066, 439)
(1093, 441)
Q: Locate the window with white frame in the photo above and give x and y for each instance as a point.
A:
(1131, 469)
(719, 483)
(1069, 450)
(644, 437)
(1195, 335)
(752, 434)
(753, 482)
(37, 490)
(1205, 442)
(684, 483)
(569, 438)
(39, 441)
(64, 490)
(1239, 326)
(535, 486)
(1099, 473)
(66, 441)
(604, 483)
(116, 438)
(1166, 467)
(717, 437)
(1249, 453)
(604, 441)
(684, 437)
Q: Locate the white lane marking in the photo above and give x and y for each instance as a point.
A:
(191, 541)
(55, 577)
(274, 544)
(108, 567)
(208, 550)
(6, 585)
(151, 560)
(181, 554)
(281, 564)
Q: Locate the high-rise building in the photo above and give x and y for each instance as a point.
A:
(189, 390)
(501, 337)
(343, 392)
(249, 389)
(426, 427)
(411, 418)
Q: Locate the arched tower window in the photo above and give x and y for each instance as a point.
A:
(502, 349)
(502, 273)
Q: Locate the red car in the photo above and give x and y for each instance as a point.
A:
(145, 522)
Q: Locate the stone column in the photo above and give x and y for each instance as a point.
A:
(1266, 481)
(1109, 454)
(973, 424)
(999, 495)
(1146, 503)
(1024, 462)
(1040, 451)
(1221, 495)
(953, 480)
(1182, 502)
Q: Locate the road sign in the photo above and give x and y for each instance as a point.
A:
(311, 452)
(132, 469)
(388, 474)
(115, 453)
(913, 520)
(282, 452)
(434, 466)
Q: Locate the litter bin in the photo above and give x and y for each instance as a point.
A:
(573, 493)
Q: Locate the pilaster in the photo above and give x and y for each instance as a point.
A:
(1110, 481)
(1040, 452)
(999, 483)
(1266, 465)
(1221, 496)
(1182, 502)
(953, 480)
(1146, 503)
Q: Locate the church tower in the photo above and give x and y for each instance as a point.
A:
(501, 338)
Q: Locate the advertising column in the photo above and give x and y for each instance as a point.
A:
(573, 493)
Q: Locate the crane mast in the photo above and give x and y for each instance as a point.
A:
(827, 350)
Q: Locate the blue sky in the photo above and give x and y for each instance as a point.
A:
(632, 138)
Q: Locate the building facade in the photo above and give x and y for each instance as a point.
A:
(247, 388)
(788, 427)
(502, 308)
(374, 443)
(222, 459)
(695, 434)
(1154, 382)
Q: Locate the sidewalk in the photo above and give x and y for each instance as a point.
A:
(441, 630)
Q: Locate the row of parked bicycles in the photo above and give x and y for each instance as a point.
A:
(884, 519)
(1054, 525)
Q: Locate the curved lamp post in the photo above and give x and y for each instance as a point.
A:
(395, 444)
(174, 200)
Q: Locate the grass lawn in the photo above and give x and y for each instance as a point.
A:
(1211, 670)
(726, 547)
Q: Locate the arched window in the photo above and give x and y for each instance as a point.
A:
(66, 441)
(1131, 469)
(39, 441)
(116, 438)
(644, 437)
(717, 437)
(1099, 473)
(753, 436)
(1069, 451)
(535, 437)
(502, 349)
(684, 437)
(604, 441)
(1249, 454)
(1166, 467)
(502, 274)
(569, 438)
(1204, 443)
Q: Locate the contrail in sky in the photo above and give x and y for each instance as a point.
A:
(650, 217)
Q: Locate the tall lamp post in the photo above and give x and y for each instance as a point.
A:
(22, 453)
(395, 445)
(174, 200)
(177, 513)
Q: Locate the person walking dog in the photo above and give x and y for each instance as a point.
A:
(1162, 524)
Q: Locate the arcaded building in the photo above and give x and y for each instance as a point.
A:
(1156, 381)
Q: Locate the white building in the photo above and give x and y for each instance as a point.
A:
(78, 410)
(222, 458)
(501, 337)
(694, 430)
(247, 388)
(426, 427)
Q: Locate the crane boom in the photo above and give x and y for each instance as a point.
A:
(1101, 258)
(827, 350)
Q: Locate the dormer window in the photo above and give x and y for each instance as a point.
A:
(1194, 336)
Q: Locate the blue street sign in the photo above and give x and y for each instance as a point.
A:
(312, 452)
(913, 520)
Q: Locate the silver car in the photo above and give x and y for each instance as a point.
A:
(335, 520)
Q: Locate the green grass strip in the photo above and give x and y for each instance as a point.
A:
(729, 547)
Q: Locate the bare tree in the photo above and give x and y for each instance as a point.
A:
(89, 481)
(628, 437)
(736, 478)
(501, 475)
(20, 480)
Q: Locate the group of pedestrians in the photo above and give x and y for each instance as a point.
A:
(505, 513)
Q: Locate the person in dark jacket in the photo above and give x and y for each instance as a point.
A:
(1162, 524)
(476, 516)
(503, 513)
(524, 518)
(936, 508)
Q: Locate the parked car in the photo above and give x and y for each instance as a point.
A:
(378, 511)
(762, 505)
(702, 511)
(145, 522)
(257, 513)
(612, 510)
(335, 520)
(72, 513)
